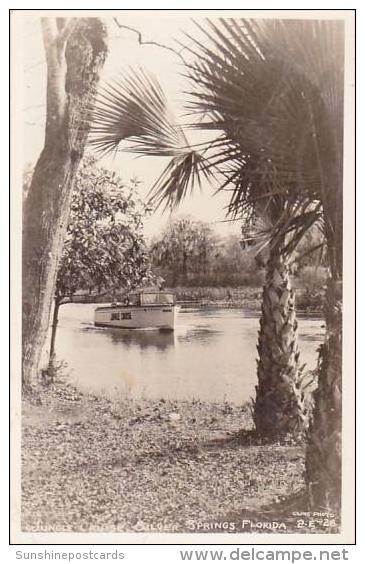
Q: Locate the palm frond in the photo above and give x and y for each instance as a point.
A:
(275, 88)
(180, 177)
(134, 108)
(273, 92)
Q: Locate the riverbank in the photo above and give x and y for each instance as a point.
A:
(308, 301)
(94, 465)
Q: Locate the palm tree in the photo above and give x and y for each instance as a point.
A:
(274, 92)
(281, 405)
(274, 89)
(292, 117)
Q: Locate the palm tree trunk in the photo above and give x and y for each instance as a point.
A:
(323, 459)
(73, 63)
(280, 406)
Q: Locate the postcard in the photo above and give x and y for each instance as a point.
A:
(182, 212)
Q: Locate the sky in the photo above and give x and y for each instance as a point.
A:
(125, 52)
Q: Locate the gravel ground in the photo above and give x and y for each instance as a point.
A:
(95, 465)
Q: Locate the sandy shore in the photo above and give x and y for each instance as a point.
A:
(91, 464)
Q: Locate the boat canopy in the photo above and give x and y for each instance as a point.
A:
(151, 298)
(143, 298)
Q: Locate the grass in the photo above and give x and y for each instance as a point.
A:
(90, 464)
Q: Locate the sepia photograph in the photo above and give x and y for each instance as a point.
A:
(182, 212)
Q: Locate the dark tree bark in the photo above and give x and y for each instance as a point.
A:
(323, 460)
(75, 51)
(324, 450)
(324, 456)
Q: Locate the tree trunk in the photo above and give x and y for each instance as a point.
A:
(324, 449)
(323, 460)
(57, 304)
(281, 407)
(74, 57)
(185, 267)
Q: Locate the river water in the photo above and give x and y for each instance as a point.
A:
(211, 355)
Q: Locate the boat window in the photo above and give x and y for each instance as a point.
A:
(127, 315)
(149, 299)
(166, 298)
(160, 299)
(115, 317)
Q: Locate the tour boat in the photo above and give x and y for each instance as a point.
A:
(139, 310)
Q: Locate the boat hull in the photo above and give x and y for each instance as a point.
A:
(127, 317)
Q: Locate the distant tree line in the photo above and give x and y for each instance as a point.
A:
(190, 253)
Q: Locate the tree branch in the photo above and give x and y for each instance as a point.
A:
(49, 32)
(65, 33)
(141, 42)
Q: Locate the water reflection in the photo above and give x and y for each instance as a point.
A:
(202, 334)
(315, 337)
(210, 356)
(157, 339)
(140, 338)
